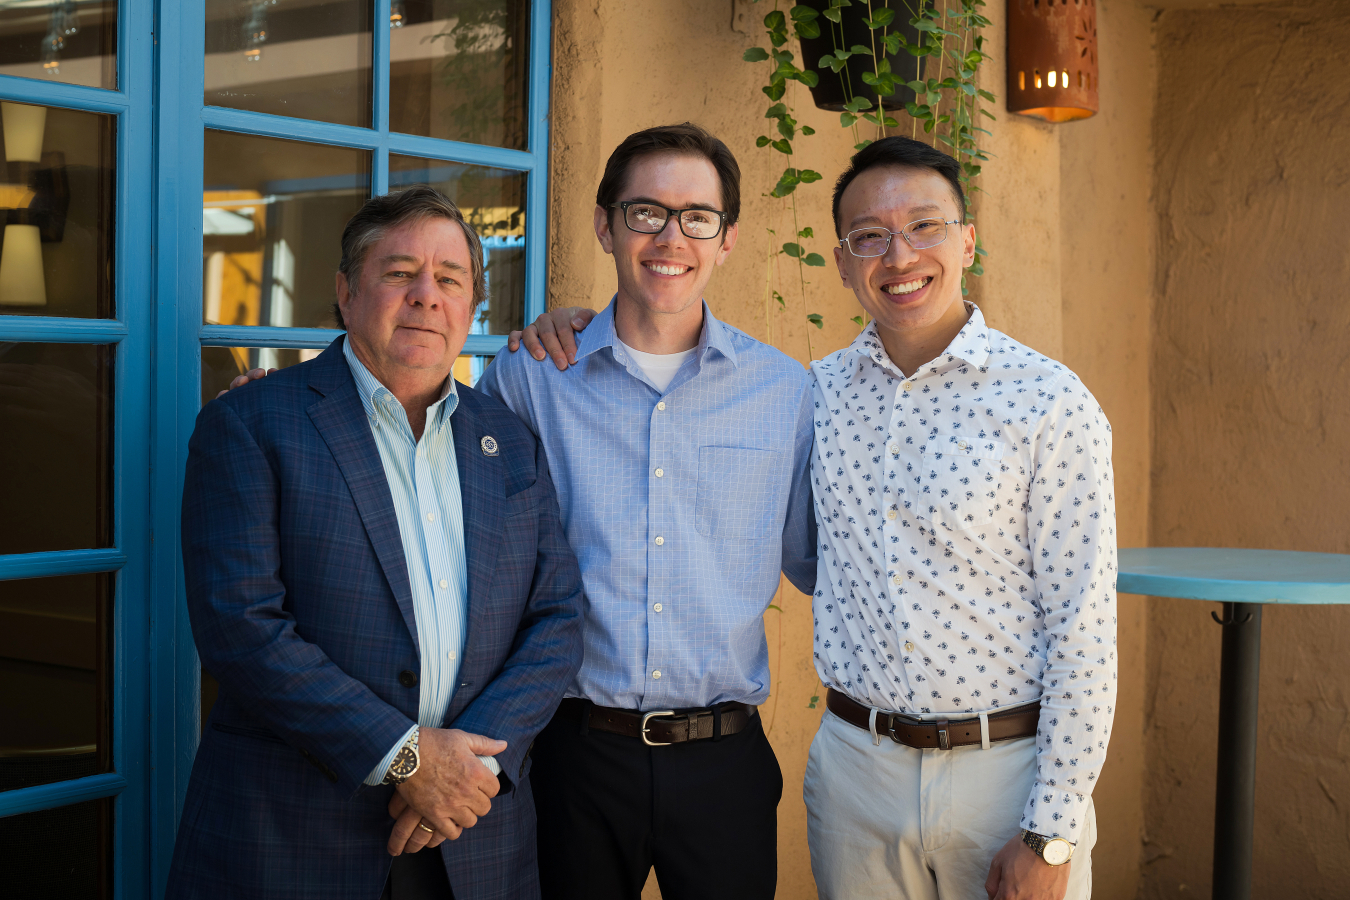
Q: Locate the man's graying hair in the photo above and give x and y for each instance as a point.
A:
(379, 215)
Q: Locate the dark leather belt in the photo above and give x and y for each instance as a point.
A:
(941, 734)
(657, 728)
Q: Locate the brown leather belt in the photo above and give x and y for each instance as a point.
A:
(942, 733)
(657, 728)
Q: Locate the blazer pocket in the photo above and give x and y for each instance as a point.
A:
(737, 492)
(524, 501)
(958, 480)
(261, 734)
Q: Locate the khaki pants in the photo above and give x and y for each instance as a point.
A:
(890, 821)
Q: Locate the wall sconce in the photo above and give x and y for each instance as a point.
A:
(34, 200)
(1052, 59)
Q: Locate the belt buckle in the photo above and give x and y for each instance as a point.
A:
(647, 717)
(901, 718)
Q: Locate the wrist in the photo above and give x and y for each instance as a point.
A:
(406, 761)
(1052, 849)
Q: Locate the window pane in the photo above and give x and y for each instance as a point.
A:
(304, 58)
(74, 41)
(56, 203)
(493, 201)
(63, 852)
(459, 70)
(272, 221)
(55, 455)
(55, 671)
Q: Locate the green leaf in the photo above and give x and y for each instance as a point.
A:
(893, 42)
(782, 147)
(846, 119)
(857, 320)
(858, 104)
(810, 79)
(968, 88)
(775, 20)
(988, 96)
(762, 141)
(808, 176)
(860, 50)
(880, 19)
(808, 130)
(807, 30)
(863, 146)
(814, 259)
(815, 698)
(918, 26)
(779, 297)
(755, 54)
(833, 15)
(815, 318)
(803, 14)
(775, 606)
(793, 250)
(778, 38)
(775, 91)
(806, 233)
(773, 112)
(785, 128)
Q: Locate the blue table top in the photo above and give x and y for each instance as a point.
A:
(1238, 576)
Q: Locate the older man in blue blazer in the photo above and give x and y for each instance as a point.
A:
(378, 578)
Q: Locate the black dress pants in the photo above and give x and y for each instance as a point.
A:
(610, 808)
(418, 876)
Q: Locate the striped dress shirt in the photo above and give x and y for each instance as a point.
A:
(424, 481)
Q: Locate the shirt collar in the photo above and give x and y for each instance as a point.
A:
(971, 344)
(371, 391)
(600, 333)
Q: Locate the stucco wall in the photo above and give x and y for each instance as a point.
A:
(1067, 225)
(1251, 427)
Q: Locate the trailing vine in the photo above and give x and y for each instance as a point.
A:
(949, 51)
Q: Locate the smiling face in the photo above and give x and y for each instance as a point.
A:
(905, 290)
(409, 314)
(664, 274)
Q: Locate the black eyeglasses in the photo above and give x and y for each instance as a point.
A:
(651, 218)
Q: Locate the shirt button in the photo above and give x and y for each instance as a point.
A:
(962, 444)
(895, 448)
(890, 514)
(909, 647)
(656, 606)
(444, 584)
(451, 654)
(908, 385)
(660, 473)
(897, 580)
(431, 517)
(660, 540)
(661, 405)
(656, 674)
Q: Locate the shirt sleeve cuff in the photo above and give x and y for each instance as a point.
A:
(377, 774)
(491, 762)
(1054, 812)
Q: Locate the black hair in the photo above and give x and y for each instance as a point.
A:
(903, 152)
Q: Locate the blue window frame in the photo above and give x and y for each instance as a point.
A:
(158, 334)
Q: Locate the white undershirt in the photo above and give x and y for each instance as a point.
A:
(660, 368)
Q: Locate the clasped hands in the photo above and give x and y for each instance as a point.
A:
(450, 792)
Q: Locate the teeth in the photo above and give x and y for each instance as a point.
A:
(668, 270)
(908, 287)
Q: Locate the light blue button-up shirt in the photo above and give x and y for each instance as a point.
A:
(681, 507)
(424, 481)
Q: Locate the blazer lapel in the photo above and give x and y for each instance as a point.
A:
(482, 486)
(341, 421)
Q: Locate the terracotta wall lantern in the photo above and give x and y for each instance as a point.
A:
(1052, 59)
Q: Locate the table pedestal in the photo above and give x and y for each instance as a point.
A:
(1235, 799)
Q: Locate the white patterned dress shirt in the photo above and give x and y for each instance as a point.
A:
(968, 548)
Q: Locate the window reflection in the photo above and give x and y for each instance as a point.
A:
(272, 219)
(55, 664)
(309, 59)
(56, 204)
(458, 69)
(493, 202)
(56, 420)
(64, 852)
(73, 41)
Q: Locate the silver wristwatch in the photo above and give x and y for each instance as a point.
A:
(406, 762)
(1054, 850)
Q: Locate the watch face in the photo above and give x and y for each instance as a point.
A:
(1057, 851)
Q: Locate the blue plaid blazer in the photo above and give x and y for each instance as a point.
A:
(300, 605)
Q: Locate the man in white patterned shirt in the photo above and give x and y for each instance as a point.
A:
(965, 600)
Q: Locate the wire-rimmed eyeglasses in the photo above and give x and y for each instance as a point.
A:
(920, 234)
(651, 218)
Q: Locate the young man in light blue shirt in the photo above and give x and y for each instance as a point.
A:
(680, 448)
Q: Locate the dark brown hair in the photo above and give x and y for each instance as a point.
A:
(905, 153)
(378, 215)
(686, 138)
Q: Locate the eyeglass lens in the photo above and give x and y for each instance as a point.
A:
(920, 235)
(649, 218)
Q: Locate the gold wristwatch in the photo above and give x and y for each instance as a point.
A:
(1054, 850)
(406, 762)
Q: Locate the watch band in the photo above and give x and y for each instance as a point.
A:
(406, 761)
(1038, 843)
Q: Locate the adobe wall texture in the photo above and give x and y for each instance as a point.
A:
(1251, 428)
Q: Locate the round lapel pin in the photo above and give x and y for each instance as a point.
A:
(489, 445)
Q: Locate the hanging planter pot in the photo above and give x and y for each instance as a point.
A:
(854, 30)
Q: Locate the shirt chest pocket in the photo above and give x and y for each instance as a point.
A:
(737, 492)
(958, 480)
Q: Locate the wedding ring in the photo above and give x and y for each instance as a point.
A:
(423, 825)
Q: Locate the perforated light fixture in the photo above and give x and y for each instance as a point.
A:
(1052, 59)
